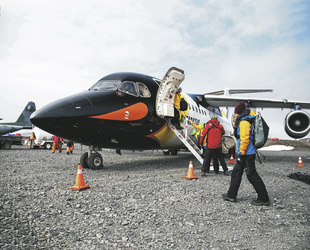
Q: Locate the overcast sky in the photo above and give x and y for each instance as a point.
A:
(51, 49)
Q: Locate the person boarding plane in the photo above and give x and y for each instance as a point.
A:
(133, 111)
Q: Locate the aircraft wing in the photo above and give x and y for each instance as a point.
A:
(229, 101)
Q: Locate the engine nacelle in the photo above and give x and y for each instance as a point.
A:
(297, 123)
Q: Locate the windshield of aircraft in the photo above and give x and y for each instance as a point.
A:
(135, 89)
(105, 85)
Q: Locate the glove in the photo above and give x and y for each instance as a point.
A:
(240, 159)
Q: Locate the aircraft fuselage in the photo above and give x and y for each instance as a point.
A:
(111, 115)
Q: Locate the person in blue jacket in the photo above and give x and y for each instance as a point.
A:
(243, 130)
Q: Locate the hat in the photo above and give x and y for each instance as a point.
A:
(213, 117)
(240, 107)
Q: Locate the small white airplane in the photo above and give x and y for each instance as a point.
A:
(131, 110)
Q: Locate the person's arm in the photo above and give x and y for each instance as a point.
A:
(223, 130)
(204, 132)
(245, 128)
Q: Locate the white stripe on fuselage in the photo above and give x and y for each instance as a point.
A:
(198, 115)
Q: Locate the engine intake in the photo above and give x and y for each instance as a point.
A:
(297, 124)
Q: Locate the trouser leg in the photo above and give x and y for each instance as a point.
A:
(176, 119)
(206, 161)
(236, 177)
(221, 159)
(216, 166)
(59, 147)
(255, 179)
(54, 147)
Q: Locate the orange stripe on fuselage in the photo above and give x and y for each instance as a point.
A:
(131, 113)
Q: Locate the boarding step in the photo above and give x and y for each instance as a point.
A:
(181, 134)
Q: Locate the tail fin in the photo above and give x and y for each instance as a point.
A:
(24, 118)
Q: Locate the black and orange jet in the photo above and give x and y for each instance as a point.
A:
(130, 111)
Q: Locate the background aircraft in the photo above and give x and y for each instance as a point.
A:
(130, 111)
(23, 121)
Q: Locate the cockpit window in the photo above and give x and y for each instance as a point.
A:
(105, 85)
(143, 90)
(128, 88)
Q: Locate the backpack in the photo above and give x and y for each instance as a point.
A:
(183, 105)
(261, 131)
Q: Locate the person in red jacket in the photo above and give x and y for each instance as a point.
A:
(57, 141)
(211, 140)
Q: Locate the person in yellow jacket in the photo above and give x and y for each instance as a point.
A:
(176, 119)
(244, 133)
(32, 138)
(199, 128)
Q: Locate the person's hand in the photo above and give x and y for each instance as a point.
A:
(240, 159)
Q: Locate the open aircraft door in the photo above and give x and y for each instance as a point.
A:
(166, 92)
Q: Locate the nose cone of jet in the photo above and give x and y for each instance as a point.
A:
(59, 114)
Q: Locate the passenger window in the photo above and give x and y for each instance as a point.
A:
(128, 88)
(143, 90)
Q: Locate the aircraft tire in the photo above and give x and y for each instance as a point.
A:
(83, 160)
(174, 151)
(166, 152)
(7, 145)
(48, 146)
(95, 161)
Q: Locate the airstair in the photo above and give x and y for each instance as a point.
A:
(187, 141)
(165, 109)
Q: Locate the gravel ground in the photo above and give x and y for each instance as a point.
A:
(140, 200)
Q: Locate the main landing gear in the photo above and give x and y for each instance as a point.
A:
(92, 159)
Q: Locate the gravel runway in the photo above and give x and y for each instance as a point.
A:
(140, 200)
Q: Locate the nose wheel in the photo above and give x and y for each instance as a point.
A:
(92, 160)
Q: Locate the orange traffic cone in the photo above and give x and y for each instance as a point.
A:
(231, 160)
(300, 162)
(79, 182)
(190, 172)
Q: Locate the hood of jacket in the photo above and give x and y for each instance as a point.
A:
(214, 121)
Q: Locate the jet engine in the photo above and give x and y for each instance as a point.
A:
(297, 124)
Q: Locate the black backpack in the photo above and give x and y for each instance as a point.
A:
(183, 104)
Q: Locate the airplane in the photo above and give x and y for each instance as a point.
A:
(132, 111)
(23, 121)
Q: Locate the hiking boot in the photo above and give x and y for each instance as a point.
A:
(227, 173)
(226, 198)
(178, 127)
(260, 203)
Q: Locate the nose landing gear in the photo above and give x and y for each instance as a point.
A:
(91, 159)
